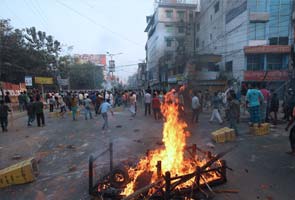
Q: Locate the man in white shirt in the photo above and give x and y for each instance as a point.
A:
(195, 107)
(147, 103)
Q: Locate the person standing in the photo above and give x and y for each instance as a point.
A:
(4, 109)
(87, 103)
(265, 103)
(147, 103)
(63, 107)
(292, 134)
(233, 112)
(74, 106)
(21, 102)
(104, 108)
(216, 102)
(156, 104)
(253, 100)
(132, 100)
(51, 103)
(39, 112)
(31, 112)
(195, 107)
(274, 107)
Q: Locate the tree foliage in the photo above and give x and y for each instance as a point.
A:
(85, 76)
(26, 52)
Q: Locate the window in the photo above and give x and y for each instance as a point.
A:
(210, 36)
(169, 13)
(212, 67)
(197, 43)
(255, 62)
(279, 21)
(258, 5)
(229, 66)
(257, 31)
(181, 14)
(169, 28)
(275, 62)
(168, 42)
(216, 7)
(210, 17)
(203, 44)
(198, 26)
(180, 29)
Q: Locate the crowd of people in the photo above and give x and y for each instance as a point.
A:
(263, 105)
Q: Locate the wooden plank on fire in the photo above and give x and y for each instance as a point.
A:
(143, 190)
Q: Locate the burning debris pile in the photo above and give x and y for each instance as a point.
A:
(174, 171)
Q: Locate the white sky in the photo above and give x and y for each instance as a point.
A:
(91, 26)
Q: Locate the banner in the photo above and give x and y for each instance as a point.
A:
(44, 80)
(112, 66)
(28, 81)
(96, 59)
(274, 75)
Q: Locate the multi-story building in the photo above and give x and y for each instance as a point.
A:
(141, 76)
(170, 38)
(253, 38)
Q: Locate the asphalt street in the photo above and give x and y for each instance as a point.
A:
(261, 168)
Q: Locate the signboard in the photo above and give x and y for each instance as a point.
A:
(63, 82)
(267, 49)
(28, 81)
(112, 66)
(96, 59)
(275, 75)
(44, 80)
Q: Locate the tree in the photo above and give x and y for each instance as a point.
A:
(85, 76)
(26, 52)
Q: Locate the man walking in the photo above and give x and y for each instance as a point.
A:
(104, 108)
(147, 103)
(216, 102)
(31, 112)
(292, 134)
(4, 109)
(233, 112)
(39, 112)
(254, 98)
(195, 107)
(87, 102)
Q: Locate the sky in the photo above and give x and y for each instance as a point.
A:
(90, 26)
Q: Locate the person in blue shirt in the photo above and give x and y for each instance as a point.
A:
(104, 108)
(253, 101)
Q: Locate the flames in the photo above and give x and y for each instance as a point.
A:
(172, 155)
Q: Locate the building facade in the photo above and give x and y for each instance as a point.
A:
(170, 33)
(253, 38)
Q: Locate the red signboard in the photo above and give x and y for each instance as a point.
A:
(267, 49)
(275, 75)
(96, 59)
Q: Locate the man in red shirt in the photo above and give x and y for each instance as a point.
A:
(156, 104)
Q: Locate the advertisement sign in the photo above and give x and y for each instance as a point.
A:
(28, 81)
(112, 66)
(96, 59)
(275, 75)
(63, 82)
(267, 49)
(44, 80)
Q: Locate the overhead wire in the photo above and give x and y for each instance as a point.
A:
(97, 24)
(35, 13)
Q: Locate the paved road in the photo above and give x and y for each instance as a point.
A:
(262, 170)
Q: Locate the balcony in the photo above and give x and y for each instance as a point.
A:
(177, 3)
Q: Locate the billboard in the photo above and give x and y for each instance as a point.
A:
(274, 75)
(44, 80)
(28, 81)
(112, 66)
(96, 59)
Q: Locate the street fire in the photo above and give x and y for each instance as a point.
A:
(172, 156)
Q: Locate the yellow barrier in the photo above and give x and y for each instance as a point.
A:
(263, 130)
(20, 173)
(223, 135)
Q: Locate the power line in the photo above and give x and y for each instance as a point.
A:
(97, 24)
(35, 13)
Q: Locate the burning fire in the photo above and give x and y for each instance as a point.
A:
(172, 156)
